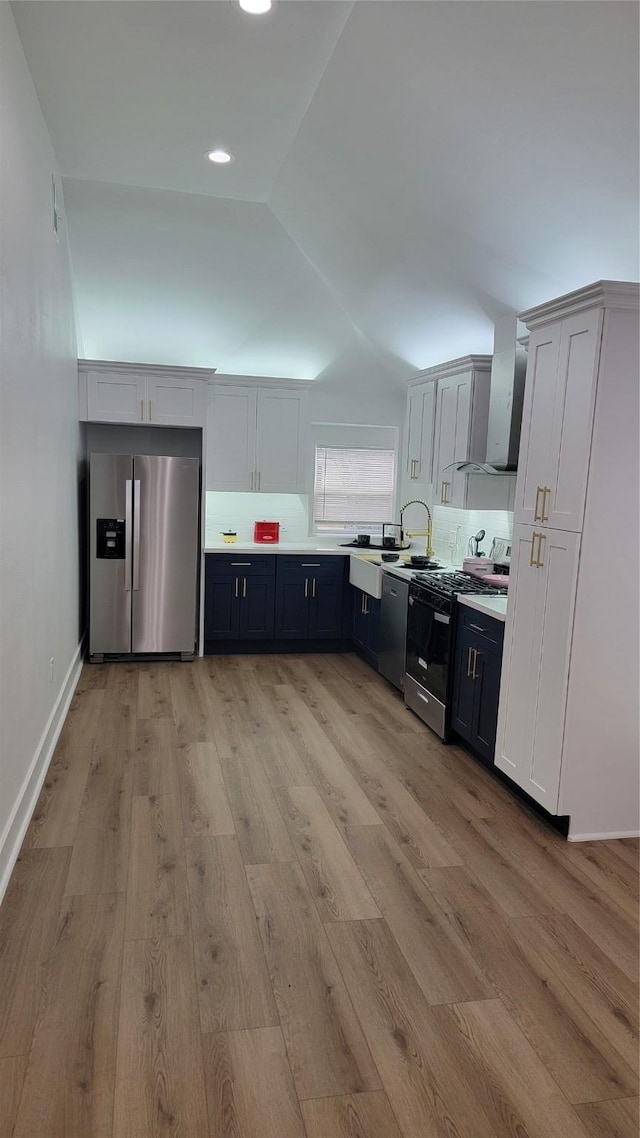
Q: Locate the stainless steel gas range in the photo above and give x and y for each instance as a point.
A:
(430, 642)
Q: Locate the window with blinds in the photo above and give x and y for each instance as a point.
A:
(354, 487)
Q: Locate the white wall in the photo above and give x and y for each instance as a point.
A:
(39, 450)
(362, 385)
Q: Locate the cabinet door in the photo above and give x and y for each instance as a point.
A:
(231, 438)
(292, 606)
(486, 690)
(453, 417)
(373, 629)
(326, 608)
(222, 607)
(115, 398)
(257, 608)
(175, 402)
(557, 421)
(463, 683)
(535, 670)
(573, 420)
(421, 403)
(281, 441)
(359, 621)
(534, 460)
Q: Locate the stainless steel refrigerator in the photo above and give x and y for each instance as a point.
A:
(143, 554)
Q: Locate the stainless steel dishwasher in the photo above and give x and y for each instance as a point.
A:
(392, 648)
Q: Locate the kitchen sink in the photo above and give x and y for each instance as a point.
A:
(365, 574)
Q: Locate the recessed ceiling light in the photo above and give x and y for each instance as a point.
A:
(221, 157)
(255, 7)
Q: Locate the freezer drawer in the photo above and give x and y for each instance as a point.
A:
(392, 644)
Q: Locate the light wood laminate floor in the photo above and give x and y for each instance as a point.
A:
(259, 899)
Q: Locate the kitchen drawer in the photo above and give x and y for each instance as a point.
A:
(311, 566)
(242, 564)
(486, 629)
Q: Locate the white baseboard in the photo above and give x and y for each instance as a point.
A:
(603, 837)
(16, 827)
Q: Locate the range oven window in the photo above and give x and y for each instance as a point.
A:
(429, 647)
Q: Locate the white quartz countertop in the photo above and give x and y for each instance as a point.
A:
(277, 547)
(491, 606)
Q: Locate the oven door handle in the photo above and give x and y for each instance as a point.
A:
(440, 616)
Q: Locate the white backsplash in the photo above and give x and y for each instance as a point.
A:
(235, 511)
(453, 528)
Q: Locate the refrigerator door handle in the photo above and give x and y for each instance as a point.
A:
(136, 534)
(127, 535)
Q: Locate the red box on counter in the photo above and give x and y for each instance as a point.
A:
(266, 531)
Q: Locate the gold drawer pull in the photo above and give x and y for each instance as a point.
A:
(545, 490)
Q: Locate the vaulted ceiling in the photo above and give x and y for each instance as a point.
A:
(405, 171)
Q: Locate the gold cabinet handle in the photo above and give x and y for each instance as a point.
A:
(469, 667)
(313, 587)
(142, 410)
(545, 490)
(535, 559)
(474, 674)
(535, 508)
(149, 410)
(258, 479)
(236, 586)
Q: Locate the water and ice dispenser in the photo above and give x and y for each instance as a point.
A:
(110, 539)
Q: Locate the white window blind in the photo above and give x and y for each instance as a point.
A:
(354, 486)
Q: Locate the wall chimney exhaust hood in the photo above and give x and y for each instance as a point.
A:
(508, 370)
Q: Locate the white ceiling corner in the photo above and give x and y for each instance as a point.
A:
(405, 172)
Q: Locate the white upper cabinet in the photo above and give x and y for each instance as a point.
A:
(446, 423)
(257, 438)
(115, 398)
(175, 401)
(231, 437)
(133, 393)
(557, 420)
(281, 441)
(535, 663)
(453, 418)
(421, 406)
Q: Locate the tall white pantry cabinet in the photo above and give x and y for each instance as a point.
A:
(568, 718)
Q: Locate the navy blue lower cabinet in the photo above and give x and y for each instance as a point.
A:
(476, 681)
(273, 597)
(373, 633)
(310, 598)
(292, 607)
(365, 625)
(257, 607)
(359, 619)
(464, 689)
(238, 598)
(326, 607)
(488, 669)
(221, 607)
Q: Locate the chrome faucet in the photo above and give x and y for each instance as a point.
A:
(420, 502)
